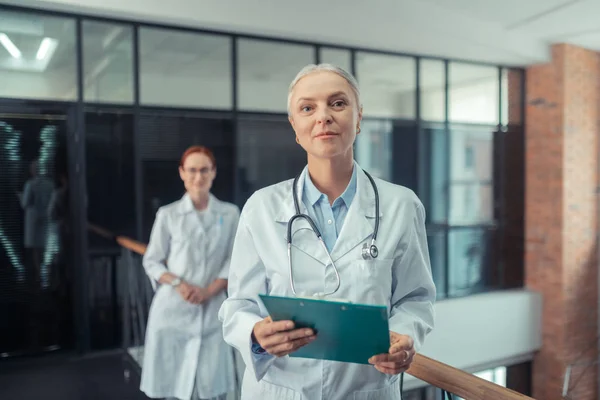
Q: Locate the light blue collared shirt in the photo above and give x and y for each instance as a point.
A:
(328, 218)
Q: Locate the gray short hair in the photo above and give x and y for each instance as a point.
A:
(309, 69)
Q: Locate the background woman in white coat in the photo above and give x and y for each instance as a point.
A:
(185, 356)
(325, 112)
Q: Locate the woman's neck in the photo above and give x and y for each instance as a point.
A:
(200, 201)
(331, 176)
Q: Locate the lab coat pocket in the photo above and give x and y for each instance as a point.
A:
(389, 392)
(272, 391)
(373, 281)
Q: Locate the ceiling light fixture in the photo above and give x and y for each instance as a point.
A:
(46, 49)
(9, 46)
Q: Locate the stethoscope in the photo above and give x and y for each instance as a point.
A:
(369, 251)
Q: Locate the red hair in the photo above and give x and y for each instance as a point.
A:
(198, 149)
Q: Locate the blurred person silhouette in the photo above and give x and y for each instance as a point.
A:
(35, 200)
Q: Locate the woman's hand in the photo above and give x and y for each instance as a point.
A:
(199, 295)
(185, 291)
(398, 360)
(192, 294)
(280, 338)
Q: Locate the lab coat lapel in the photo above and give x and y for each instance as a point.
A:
(360, 220)
(215, 230)
(303, 237)
(189, 219)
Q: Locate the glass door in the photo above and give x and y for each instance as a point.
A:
(35, 232)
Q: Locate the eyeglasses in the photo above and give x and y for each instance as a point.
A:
(201, 171)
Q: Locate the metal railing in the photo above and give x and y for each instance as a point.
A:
(137, 297)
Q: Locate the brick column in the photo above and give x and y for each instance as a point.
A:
(512, 250)
(562, 127)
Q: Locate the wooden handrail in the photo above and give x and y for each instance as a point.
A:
(458, 382)
(123, 241)
(443, 376)
(101, 231)
(130, 244)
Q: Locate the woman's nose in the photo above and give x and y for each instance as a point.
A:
(324, 117)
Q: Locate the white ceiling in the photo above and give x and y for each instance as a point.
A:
(550, 21)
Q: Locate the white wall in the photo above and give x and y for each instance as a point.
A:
(486, 330)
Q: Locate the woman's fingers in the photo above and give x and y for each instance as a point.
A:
(289, 347)
(281, 338)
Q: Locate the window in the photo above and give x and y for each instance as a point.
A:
(388, 85)
(474, 93)
(435, 176)
(107, 62)
(457, 184)
(110, 171)
(164, 136)
(111, 205)
(265, 71)
(432, 84)
(436, 240)
(38, 59)
(468, 260)
(341, 58)
(463, 193)
(270, 153)
(373, 147)
(471, 163)
(185, 69)
(469, 156)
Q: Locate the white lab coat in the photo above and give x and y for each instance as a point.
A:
(184, 342)
(400, 278)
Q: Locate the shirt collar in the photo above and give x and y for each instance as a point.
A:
(187, 206)
(313, 195)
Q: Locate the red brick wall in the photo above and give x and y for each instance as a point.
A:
(562, 126)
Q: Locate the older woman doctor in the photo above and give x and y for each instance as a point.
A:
(185, 356)
(325, 112)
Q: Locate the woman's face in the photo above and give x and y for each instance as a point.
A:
(197, 174)
(325, 114)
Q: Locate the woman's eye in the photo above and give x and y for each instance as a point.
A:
(339, 103)
(306, 108)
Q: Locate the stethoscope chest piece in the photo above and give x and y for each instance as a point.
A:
(369, 251)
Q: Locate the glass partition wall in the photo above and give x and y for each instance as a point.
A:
(136, 95)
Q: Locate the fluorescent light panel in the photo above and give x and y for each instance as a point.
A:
(9, 46)
(46, 49)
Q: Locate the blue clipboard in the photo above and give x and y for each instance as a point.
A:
(346, 332)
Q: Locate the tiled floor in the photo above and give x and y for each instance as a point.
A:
(67, 378)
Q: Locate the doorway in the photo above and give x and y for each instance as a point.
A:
(35, 231)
